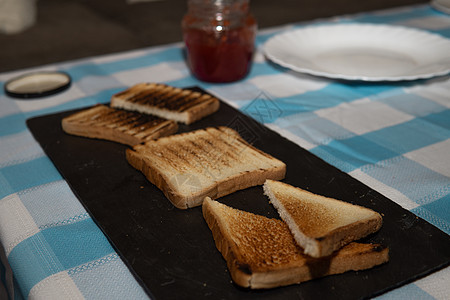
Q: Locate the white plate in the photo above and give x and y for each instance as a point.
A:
(361, 52)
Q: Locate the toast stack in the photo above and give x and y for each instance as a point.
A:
(141, 113)
(316, 236)
(261, 252)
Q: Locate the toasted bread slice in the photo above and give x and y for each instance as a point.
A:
(181, 105)
(115, 125)
(210, 162)
(320, 225)
(261, 252)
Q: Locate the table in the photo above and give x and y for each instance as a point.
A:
(54, 249)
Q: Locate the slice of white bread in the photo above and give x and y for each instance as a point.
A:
(212, 162)
(181, 105)
(130, 128)
(320, 225)
(261, 252)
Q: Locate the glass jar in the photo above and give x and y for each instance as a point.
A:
(220, 38)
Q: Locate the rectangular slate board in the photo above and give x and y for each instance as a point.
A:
(171, 252)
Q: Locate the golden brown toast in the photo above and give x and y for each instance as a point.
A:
(130, 128)
(261, 252)
(212, 162)
(320, 225)
(181, 105)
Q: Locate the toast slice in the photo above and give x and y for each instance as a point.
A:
(212, 162)
(181, 105)
(261, 252)
(130, 128)
(320, 225)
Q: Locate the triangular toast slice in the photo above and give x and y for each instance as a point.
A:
(320, 225)
(261, 252)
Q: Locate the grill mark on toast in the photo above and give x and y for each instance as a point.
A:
(197, 160)
(217, 149)
(174, 100)
(167, 99)
(86, 116)
(180, 162)
(146, 95)
(132, 91)
(150, 97)
(176, 160)
(185, 155)
(164, 97)
(117, 118)
(244, 143)
(127, 121)
(222, 138)
(130, 122)
(225, 155)
(206, 151)
(201, 155)
(139, 97)
(186, 105)
(123, 94)
(233, 140)
(124, 121)
(149, 130)
(215, 159)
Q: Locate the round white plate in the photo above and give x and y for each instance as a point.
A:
(361, 52)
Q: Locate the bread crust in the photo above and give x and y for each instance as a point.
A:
(202, 110)
(214, 187)
(94, 123)
(340, 237)
(295, 267)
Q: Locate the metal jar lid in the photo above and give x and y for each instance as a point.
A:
(37, 84)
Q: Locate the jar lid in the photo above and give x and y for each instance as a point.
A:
(37, 84)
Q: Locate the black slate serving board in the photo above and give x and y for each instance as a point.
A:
(171, 252)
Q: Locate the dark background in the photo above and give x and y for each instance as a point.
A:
(70, 29)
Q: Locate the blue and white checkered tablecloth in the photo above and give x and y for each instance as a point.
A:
(394, 137)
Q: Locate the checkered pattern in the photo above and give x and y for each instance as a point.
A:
(394, 137)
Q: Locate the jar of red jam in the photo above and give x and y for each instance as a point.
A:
(220, 38)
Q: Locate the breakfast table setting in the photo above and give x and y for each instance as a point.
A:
(358, 104)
